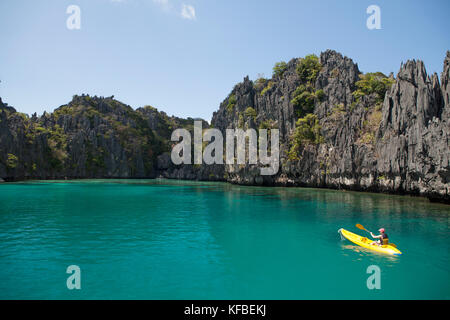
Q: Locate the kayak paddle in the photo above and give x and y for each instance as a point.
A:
(359, 226)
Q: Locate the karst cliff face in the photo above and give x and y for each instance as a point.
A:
(395, 143)
(88, 138)
(338, 129)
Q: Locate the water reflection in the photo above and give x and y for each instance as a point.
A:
(358, 252)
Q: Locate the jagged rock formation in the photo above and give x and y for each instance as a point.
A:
(415, 131)
(394, 140)
(93, 137)
(90, 137)
(401, 145)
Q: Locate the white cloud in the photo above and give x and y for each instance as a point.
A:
(164, 4)
(188, 12)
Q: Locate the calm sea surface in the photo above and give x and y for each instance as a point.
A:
(161, 239)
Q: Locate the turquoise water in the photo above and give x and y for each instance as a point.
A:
(160, 239)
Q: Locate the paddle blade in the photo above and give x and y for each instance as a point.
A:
(360, 226)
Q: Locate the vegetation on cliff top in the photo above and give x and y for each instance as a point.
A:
(370, 83)
(305, 96)
(279, 69)
(308, 68)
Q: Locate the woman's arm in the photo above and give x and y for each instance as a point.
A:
(376, 237)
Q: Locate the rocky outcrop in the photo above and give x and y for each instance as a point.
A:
(90, 137)
(394, 140)
(399, 146)
(166, 169)
(414, 133)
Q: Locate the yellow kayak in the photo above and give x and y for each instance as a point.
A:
(367, 243)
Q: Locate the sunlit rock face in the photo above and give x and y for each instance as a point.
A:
(397, 142)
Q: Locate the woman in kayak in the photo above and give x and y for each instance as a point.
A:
(383, 238)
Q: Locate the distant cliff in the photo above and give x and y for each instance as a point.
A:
(339, 128)
(91, 137)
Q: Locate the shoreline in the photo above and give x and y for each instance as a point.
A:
(430, 198)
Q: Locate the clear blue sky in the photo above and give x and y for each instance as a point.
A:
(146, 52)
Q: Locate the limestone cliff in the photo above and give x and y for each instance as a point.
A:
(339, 128)
(397, 142)
(90, 137)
